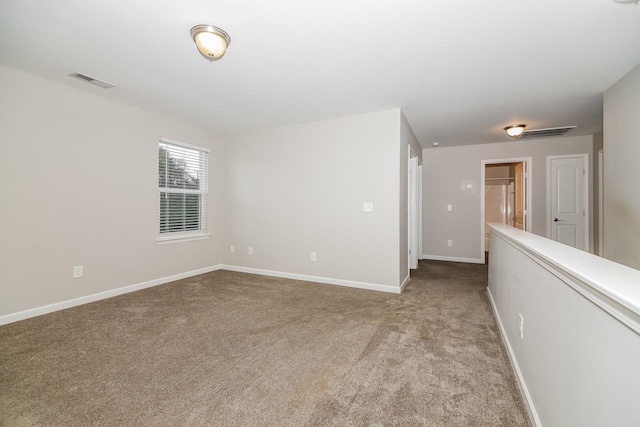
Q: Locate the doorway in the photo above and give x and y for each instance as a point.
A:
(506, 196)
(414, 210)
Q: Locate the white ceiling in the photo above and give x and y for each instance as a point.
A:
(460, 70)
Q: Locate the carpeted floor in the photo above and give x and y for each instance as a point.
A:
(233, 349)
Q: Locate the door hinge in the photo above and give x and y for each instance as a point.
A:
(583, 173)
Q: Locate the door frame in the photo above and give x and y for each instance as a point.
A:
(587, 212)
(414, 210)
(601, 203)
(528, 161)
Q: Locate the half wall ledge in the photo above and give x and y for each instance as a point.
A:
(570, 322)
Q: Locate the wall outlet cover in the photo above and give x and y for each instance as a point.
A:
(78, 271)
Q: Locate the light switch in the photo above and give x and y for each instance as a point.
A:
(78, 271)
(449, 208)
(367, 206)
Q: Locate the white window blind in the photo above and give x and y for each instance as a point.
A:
(182, 189)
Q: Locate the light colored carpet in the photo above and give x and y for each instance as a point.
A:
(233, 349)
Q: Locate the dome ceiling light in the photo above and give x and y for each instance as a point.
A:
(212, 42)
(515, 131)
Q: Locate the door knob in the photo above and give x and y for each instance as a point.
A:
(556, 219)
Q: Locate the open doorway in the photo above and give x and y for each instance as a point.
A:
(414, 210)
(506, 196)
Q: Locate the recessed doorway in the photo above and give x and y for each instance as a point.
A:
(506, 196)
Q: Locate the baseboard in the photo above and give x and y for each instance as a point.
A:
(454, 259)
(315, 279)
(32, 312)
(522, 385)
(405, 282)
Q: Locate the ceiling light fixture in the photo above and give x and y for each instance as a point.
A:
(515, 131)
(212, 42)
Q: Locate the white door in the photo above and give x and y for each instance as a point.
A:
(568, 200)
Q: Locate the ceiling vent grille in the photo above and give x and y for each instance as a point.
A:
(92, 80)
(547, 132)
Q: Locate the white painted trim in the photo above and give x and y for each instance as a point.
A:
(420, 244)
(405, 282)
(587, 211)
(454, 259)
(528, 202)
(50, 308)
(183, 144)
(413, 201)
(163, 240)
(601, 203)
(522, 385)
(315, 279)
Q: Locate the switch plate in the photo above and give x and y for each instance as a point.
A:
(314, 256)
(449, 208)
(250, 250)
(232, 249)
(78, 271)
(367, 207)
(449, 242)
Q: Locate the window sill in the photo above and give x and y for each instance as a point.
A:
(163, 240)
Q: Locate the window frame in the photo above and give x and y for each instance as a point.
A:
(185, 235)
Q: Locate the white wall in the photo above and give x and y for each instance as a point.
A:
(577, 360)
(621, 171)
(299, 189)
(79, 187)
(79, 184)
(447, 170)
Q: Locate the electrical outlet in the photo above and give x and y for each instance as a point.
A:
(314, 256)
(232, 249)
(367, 207)
(521, 326)
(449, 208)
(78, 271)
(449, 242)
(250, 250)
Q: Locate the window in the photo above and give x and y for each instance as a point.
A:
(183, 190)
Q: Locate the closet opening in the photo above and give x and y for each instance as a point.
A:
(505, 197)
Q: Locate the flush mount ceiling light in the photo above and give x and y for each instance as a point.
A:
(212, 42)
(515, 131)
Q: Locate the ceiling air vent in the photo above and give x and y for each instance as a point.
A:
(544, 133)
(91, 80)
